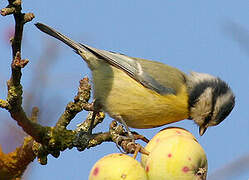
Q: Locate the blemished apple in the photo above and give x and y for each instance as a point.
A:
(117, 167)
(162, 135)
(177, 158)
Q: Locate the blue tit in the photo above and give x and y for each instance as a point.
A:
(146, 94)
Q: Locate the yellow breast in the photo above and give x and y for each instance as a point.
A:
(140, 107)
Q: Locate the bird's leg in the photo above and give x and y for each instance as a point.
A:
(120, 119)
(96, 108)
(84, 134)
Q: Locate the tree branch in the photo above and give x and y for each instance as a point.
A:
(13, 164)
(53, 140)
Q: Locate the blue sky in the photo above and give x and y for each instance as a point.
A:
(202, 36)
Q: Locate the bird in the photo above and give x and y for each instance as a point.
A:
(144, 94)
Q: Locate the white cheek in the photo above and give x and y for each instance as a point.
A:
(203, 107)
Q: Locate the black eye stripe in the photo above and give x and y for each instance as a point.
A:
(219, 90)
(218, 86)
(208, 118)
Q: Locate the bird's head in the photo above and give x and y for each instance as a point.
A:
(210, 100)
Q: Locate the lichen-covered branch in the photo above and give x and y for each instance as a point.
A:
(13, 164)
(80, 103)
(51, 140)
(14, 98)
(4, 104)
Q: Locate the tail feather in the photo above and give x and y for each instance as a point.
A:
(50, 31)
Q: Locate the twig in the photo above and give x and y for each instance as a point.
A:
(14, 99)
(79, 104)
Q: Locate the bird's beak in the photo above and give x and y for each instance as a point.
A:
(202, 130)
